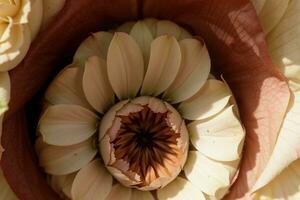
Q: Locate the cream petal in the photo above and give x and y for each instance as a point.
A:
(58, 160)
(164, 63)
(62, 184)
(219, 138)
(20, 42)
(180, 189)
(4, 91)
(287, 148)
(23, 13)
(126, 27)
(67, 88)
(210, 100)
(63, 125)
(92, 182)
(284, 43)
(151, 24)
(50, 9)
(125, 66)
(141, 195)
(286, 186)
(35, 17)
(271, 13)
(119, 192)
(95, 45)
(96, 86)
(165, 27)
(5, 191)
(143, 36)
(193, 72)
(258, 5)
(209, 175)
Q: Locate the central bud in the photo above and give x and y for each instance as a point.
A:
(143, 142)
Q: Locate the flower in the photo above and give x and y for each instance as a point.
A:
(143, 141)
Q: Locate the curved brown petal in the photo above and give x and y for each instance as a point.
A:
(238, 51)
(235, 41)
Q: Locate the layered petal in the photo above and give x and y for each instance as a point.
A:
(95, 45)
(58, 160)
(219, 138)
(180, 189)
(164, 64)
(66, 88)
(119, 192)
(50, 9)
(284, 42)
(166, 27)
(35, 18)
(62, 184)
(96, 86)
(125, 66)
(212, 177)
(193, 72)
(64, 125)
(5, 190)
(92, 182)
(287, 148)
(208, 101)
(286, 186)
(4, 91)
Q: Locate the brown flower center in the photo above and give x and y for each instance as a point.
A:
(147, 145)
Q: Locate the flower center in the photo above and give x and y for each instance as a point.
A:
(148, 144)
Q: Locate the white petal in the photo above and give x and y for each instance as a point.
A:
(219, 138)
(92, 182)
(126, 27)
(96, 86)
(286, 186)
(35, 17)
(180, 189)
(271, 13)
(165, 27)
(210, 100)
(284, 42)
(19, 40)
(5, 191)
(64, 160)
(193, 72)
(141, 33)
(62, 184)
(64, 125)
(4, 91)
(141, 195)
(125, 66)
(164, 63)
(209, 175)
(66, 88)
(50, 9)
(287, 148)
(151, 24)
(119, 192)
(95, 45)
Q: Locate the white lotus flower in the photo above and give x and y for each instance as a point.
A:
(111, 129)
(280, 21)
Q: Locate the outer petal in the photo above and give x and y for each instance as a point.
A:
(92, 182)
(95, 45)
(284, 42)
(164, 63)
(66, 88)
(284, 187)
(119, 192)
(35, 17)
(50, 9)
(165, 27)
(219, 138)
(62, 184)
(141, 195)
(207, 174)
(180, 189)
(64, 125)
(96, 86)
(64, 160)
(142, 34)
(287, 148)
(5, 191)
(193, 72)
(208, 101)
(125, 66)
(271, 13)
(4, 92)
(20, 42)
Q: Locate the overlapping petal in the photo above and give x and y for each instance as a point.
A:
(62, 184)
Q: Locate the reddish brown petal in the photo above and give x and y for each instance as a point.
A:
(238, 51)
